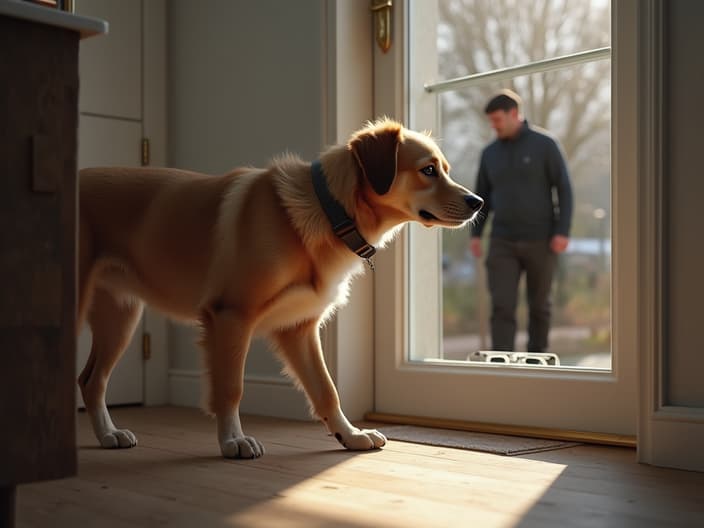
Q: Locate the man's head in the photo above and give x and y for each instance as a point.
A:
(504, 113)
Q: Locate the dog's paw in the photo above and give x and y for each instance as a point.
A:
(362, 440)
(242, 447)
(119, 438)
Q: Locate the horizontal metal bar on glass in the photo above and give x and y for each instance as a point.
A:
(522, 69)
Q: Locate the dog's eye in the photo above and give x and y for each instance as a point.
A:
(429, 170)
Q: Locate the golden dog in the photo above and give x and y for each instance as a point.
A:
(256, 252)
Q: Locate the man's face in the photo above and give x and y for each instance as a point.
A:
(505, 123)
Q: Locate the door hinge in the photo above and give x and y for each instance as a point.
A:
(146, 346)
(145, 152)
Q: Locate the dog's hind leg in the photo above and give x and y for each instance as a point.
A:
(300, 348)
(112, 323)
(86, 275)
(226, 338)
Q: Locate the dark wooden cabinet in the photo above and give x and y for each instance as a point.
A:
(38, 218)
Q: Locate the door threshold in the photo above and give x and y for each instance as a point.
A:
(586, 437)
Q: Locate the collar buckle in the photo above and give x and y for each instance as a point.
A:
(349, 234)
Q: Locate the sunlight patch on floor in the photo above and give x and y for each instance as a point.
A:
(384, 493)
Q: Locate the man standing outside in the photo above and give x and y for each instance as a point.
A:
(524, 181)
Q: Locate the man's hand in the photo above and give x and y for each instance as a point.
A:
(559, 243)
(475, 246)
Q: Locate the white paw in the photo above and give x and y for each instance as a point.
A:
(242, 447)
(362, 439)
(119, 438)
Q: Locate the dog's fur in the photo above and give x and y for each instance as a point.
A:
(247, 253)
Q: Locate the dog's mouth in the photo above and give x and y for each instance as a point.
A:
(430, 219)
(427, 215)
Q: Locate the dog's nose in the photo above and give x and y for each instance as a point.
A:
(473, 202)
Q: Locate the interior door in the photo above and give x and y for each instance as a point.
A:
(110, 134)
(412, 379)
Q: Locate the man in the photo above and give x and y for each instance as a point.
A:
(518, 173)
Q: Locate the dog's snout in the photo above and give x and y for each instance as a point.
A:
(473, 202)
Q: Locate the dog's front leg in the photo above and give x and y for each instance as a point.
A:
(226, 341)
(300, 347)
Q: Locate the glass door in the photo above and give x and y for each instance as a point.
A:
(570, 61)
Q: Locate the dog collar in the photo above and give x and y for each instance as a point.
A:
(342, 225)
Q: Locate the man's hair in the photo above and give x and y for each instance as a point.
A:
(505, 100)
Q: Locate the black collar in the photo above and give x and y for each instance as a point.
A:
(342, 225)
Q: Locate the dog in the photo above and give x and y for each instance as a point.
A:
(265, 252)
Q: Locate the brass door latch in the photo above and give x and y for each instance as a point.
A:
(382, 23)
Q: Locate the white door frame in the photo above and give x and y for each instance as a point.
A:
(348, 339)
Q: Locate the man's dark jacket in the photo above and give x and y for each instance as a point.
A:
(516, 179)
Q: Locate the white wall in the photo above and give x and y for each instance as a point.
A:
(684, 78)
(249, 80)
(244, 81)
(245, 84)
(671, 420)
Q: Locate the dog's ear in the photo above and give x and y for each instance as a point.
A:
(376, 149)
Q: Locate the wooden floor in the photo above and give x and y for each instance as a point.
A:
(175, 477)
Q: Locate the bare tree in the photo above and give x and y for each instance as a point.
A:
(574, 103)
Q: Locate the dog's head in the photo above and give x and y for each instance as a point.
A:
(407, 172)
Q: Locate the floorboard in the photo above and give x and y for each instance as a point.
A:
(175, 477)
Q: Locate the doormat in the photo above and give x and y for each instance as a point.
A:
(486, 442)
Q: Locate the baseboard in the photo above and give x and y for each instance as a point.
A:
(673, 437)
(185, 387)
(263, 395)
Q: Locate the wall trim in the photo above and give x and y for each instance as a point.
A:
(154, 127)
(650, 26)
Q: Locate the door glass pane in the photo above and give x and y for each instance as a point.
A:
(574, 104)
